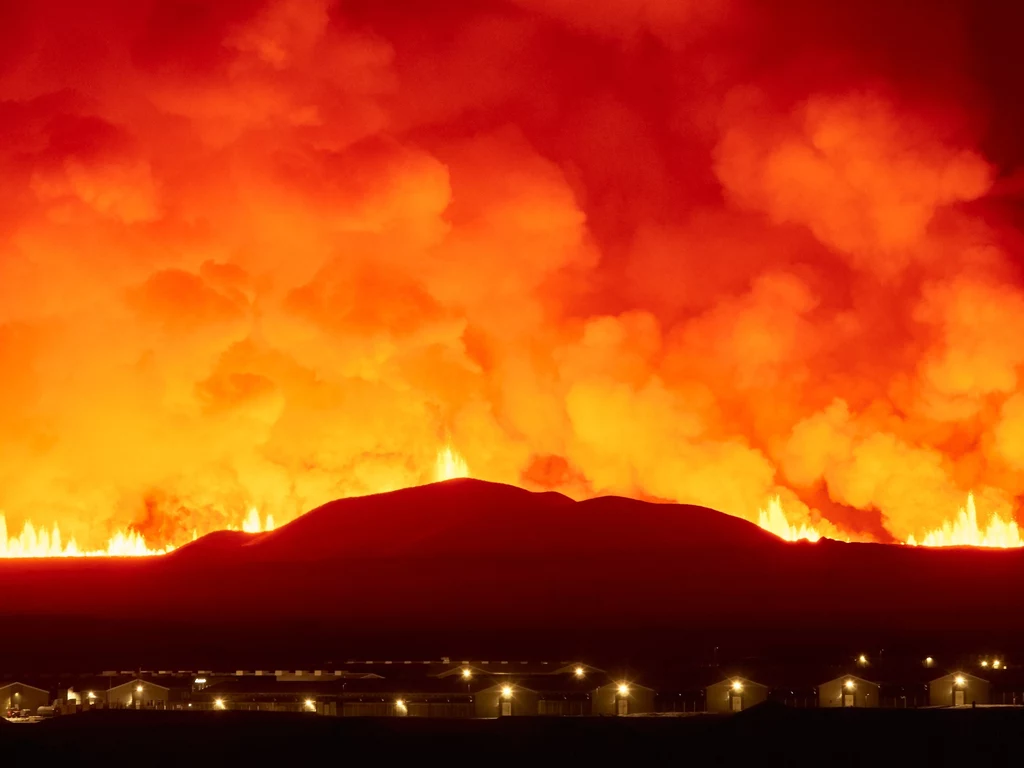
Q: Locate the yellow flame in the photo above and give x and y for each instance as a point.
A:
(253, 524)
(42, 542)
(774, 521)
(964, 531)
(450, 465)
(49, 543)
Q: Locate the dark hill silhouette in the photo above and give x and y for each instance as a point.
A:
(460, 518)
(467, 559)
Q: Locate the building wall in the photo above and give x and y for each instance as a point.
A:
(22, 696)
(603, 700)
(440, 709)
(124, 696)
(563, 707)
(865, 693)
(940, 692)
(488, 702)
(719, 696)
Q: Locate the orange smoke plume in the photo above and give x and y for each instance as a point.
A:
(261, 254)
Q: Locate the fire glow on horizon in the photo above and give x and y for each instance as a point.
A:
(266, 254)
(964, 530)
(43, 543)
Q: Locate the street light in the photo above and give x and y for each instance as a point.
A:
(862, 659)
(579, 672)
(467, 673)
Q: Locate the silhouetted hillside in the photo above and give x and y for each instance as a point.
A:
(468, 562)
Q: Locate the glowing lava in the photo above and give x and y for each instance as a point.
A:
(48, 543)
(450, 465)
(41, 542)
(964, 531)
(774, 521)
(253, 524)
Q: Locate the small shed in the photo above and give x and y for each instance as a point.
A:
(735, 694)
(958, 689)
(22, 696)
(849, 691)
(622, 698)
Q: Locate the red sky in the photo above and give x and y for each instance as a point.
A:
(272, 253)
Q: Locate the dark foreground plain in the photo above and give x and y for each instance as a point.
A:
(765, 735)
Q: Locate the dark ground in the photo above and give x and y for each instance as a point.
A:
(766, 735)
(469, 569)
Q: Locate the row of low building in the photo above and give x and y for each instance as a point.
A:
(484, 689)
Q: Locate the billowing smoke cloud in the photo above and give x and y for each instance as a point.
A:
(272, 252)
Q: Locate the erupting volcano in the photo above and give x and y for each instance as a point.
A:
(449, 465)
(258, 255)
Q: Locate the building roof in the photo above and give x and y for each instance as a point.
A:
(121, 682)
(269, 686)
(855, 678)
(731, 679)
(13, 683)
(562, 684)
(966, 675)
(502, 668)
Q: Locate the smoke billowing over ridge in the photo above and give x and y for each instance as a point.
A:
(272, 253)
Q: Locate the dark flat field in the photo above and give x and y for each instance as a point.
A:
(767, 735)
